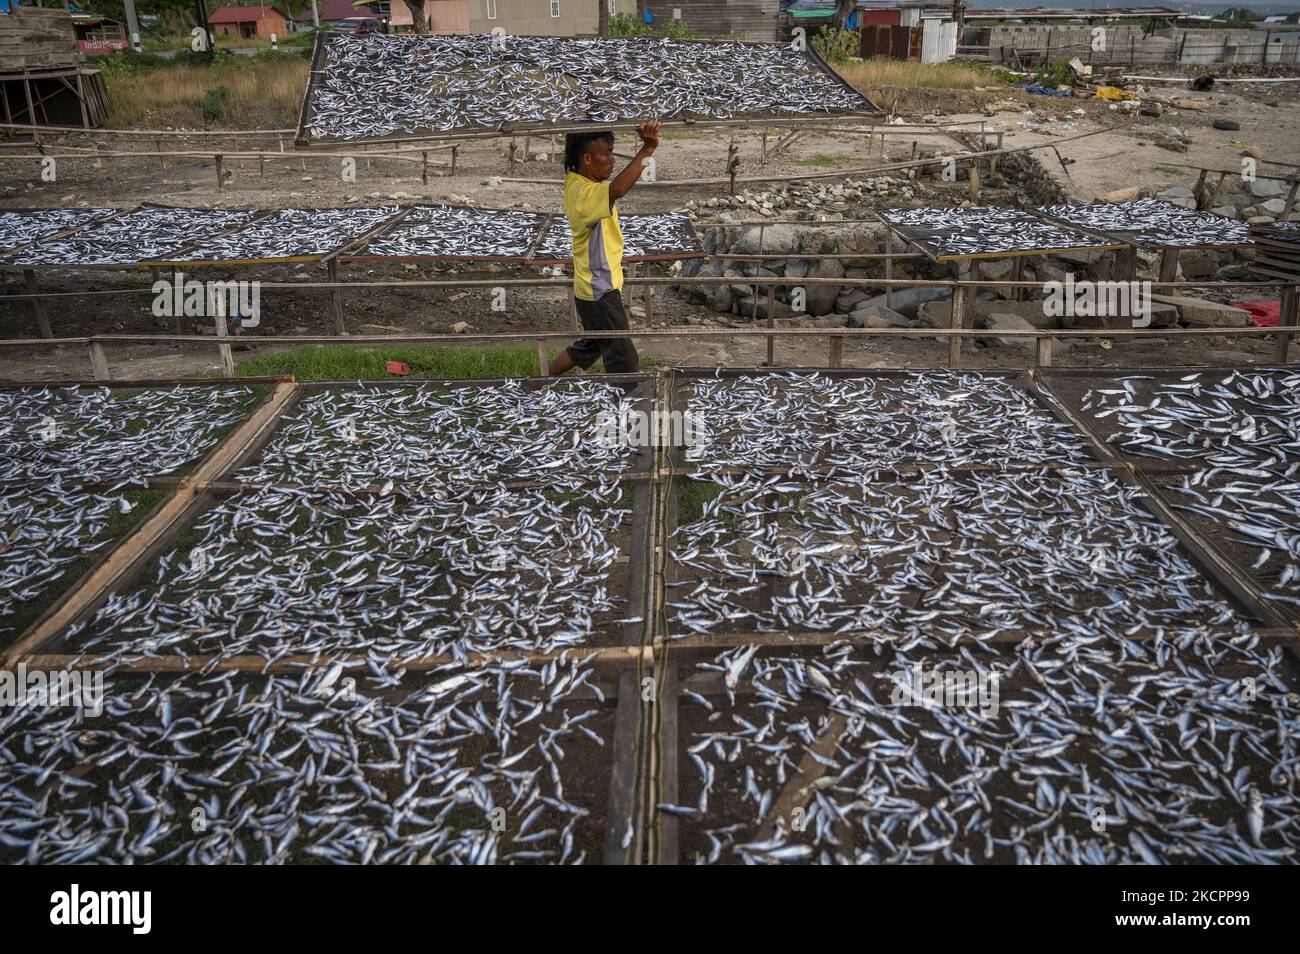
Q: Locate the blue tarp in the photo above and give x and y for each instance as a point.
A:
(1041, 90)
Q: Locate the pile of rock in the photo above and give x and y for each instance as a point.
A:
(819, 299)
(1258, 202)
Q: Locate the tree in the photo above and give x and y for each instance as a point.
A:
(419, 24)
(602, 17)
(843, 10)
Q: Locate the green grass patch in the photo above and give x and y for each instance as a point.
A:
(694, 495)
(347, 363)
(821, 159)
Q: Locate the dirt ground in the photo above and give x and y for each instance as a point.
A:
(1121, 153)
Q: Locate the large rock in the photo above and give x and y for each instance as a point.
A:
(1273, 207)
(909, 300)
(857, 244)
(775, 238)
(1205, 314)
(1121, 195)
(1004, 321)
(848, 298)
(821, 296)
(878, 316)
(997, 269)
(1227, 211)
(1266, 188)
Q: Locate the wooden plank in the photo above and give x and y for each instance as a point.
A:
(798, 789)
(96, 585)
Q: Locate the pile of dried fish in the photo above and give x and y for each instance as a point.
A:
(1240, 435)
(855, 426)
(483, 766)
(276, 573)
(445, 437)
(644, 236)
(988, 554)
(288, 234)
(149, 232)
(985, 231)
(1080, 749)
(450, 231)
(20, 226)
(1152, 223)
(43, 529)
(95, 434)
(373, 86)
(1003, 528)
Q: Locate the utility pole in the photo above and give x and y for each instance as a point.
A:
(132, 25)
(315, 15)
(602, 17)
(201, 18)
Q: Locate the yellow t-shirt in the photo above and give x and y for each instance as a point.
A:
(597, 238)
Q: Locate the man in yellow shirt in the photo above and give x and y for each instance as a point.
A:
(589, 197)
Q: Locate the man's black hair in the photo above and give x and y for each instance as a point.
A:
(575, 146)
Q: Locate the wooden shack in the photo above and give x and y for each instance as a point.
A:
(42, 79)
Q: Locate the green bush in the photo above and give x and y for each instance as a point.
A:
(678, 30)
(836, 46)
(215, 103)
(625, 24)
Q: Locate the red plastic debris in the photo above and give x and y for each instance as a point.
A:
(402, 368)
(1265, 314)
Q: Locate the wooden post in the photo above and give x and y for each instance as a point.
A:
(889, 269)
(1017, 274)
(162, 163)
(975, 180)
(513, 146)
(424, 167)
(1044, 352)
(646, 303)
(261, 164)
(627, 305)
(955, 322)
(1289, 206)
(1288, 314)
(98, 361)
(1198, 191)
(455, 151)
(771, 323)
(1128, 263)
(836, 351)
(223, 336)
(765, 144)
(543, 359)
(336, 295)
(220, 173)
(733, 163)
(38, 306)
(762, 231)
(1169, 265)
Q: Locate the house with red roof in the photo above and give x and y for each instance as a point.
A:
(261, 19)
